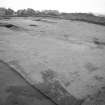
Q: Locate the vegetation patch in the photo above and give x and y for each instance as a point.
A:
(90, 21)
(84, 17)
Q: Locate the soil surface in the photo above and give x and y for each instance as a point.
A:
(63, 59)
(14, 90)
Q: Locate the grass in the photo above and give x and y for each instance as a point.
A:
(85, 17)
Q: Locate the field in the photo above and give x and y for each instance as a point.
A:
(51, 61)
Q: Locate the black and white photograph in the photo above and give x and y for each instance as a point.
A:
(52, 52)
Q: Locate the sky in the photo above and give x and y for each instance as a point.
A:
(91, 6)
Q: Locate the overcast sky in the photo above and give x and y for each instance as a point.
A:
(94, 6)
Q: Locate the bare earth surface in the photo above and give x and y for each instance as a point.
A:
(64, 59)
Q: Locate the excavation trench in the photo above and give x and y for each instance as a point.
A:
(12, 27)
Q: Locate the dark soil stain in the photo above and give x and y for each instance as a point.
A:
(12, 27)
(44, 20)
(100, 44)
(33, 25)
(7, 25)
(37, 20)
(49, 75)
(96, 99)
(91, 67)
(99, 78)
(48, 21)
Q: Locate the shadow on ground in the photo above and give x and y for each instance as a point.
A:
(14, 90)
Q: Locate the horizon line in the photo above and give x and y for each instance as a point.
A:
(94, 13)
